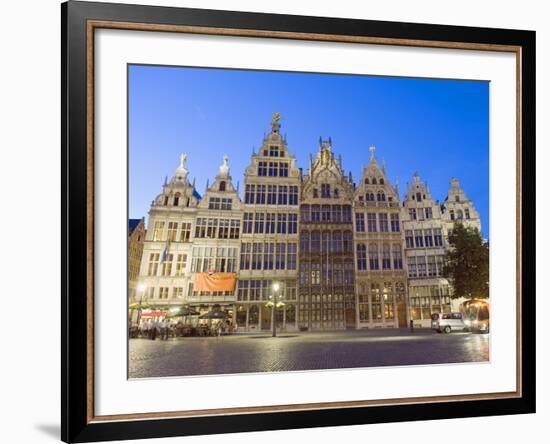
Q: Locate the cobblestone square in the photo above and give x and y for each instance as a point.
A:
(247, 353)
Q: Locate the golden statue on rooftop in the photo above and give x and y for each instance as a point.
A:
(276, 117)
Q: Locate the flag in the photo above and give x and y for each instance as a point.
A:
(165, 252)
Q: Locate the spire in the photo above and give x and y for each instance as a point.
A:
(207, 185)
(384, 166)
(372, 149)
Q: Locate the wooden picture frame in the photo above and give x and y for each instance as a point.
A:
(79, 22)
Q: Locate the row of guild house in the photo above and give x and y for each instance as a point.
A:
(346, 255)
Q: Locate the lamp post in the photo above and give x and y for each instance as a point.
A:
(275, 302)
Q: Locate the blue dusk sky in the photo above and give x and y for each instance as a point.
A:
(438, 128)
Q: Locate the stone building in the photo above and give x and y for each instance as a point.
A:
(216, 243)
(425, 247)
(344, 256)
(136, 238)
(381, 282)
(458, 208)
(326, 285)
(167, 249)
(269, 237)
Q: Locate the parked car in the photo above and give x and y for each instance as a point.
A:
(448, 322)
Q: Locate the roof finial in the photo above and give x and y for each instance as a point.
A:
(275, 125)
(372, 149)
(224, 167)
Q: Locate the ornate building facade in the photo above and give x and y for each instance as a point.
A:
(216, 243)
(381, 280)
(165, 273)
(344, 255)
(326, 286)
(425, 247)
(269, 238)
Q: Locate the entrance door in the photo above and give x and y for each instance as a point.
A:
(266, 318)
(402, 315)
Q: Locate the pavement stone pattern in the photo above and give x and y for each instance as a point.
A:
(253, 353)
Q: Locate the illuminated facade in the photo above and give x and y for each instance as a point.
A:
(381, 280)
(346, 255)
(426, 225)
(216, 242)
(165, 266)
(269, 235)
(326, 285)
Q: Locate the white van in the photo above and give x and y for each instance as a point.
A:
(448, 322)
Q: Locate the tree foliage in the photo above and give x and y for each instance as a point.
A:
(467, 263)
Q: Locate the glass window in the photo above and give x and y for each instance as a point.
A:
(361, 257)
(383, 221)
(412, 213)
(158, 231)
(360, 222)
(397, 257)
(185, 232)
(304, 213)
(418, 240)
(262, 168)
(371, 222)
(373, 257)
(386, 257)
(292, 223)
(394, 220)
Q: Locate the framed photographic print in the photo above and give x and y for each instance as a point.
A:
(275, 221)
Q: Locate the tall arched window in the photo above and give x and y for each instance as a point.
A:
(222, 185)
(381, 181)
(367, 181)
(315, 241)
(176, 199)
(348, 242)
(374, 180)
(337, 241)
(380, 196)
(304, 241)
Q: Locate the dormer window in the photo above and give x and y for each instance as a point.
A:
(380, 197)
(273, 151)
(315, 192)
(176, 199)
(222, 185)
(457, 198)
(374, 180)
(336, 192)
(367, 181)
(325, 190)
(381, 181)
(165, 200)
(419, 197)
(467, 213)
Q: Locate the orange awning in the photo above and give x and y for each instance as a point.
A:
(215, 282)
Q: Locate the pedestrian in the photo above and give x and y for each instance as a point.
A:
(153, 330)
(411, 323)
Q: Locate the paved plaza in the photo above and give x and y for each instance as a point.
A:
(301, 351)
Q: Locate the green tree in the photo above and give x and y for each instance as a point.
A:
(467, 263)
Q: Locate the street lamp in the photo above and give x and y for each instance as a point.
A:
(275, 301)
